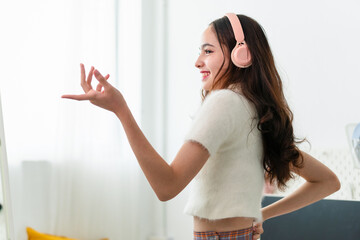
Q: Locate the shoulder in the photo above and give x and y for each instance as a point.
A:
(223, 95)
(224, 98)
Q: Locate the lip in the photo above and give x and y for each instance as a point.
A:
(206, 76)
(203, 79)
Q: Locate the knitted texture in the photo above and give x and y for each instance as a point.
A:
(230, 184)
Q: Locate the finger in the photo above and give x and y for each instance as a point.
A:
(84, 86)
(89, 78)
(82, 70)
(256, 236)
(80, 97)
(258, 230)
(99, 87)
(258, 225)
(101, 79)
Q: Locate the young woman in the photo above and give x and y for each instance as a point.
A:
(242, 132)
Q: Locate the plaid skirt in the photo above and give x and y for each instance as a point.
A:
(242, 234)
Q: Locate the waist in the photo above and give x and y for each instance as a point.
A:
(222, 225)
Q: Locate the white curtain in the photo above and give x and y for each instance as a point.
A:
(89, 185)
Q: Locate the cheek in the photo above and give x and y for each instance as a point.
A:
(215, 63)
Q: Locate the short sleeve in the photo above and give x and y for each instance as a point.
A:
(215, 120)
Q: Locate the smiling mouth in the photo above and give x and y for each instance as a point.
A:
(205, 75)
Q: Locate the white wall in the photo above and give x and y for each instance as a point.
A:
(315, 44)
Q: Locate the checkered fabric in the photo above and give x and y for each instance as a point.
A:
(242, 234)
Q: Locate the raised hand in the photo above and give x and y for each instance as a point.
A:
(104, 96)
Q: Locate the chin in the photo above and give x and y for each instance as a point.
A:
(206, 86)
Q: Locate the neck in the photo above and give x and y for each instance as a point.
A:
(236, 87)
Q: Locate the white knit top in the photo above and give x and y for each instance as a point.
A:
(231, 182)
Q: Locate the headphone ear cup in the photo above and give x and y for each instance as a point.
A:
(241, 56)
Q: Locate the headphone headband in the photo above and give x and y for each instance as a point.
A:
(236, 26)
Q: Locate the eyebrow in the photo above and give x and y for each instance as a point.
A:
(205, 45)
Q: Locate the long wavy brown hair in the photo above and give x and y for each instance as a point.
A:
(261, 84)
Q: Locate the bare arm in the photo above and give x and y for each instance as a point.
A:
(166, 180)
(320, 182)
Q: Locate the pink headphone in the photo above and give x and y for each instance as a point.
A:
(240, 55)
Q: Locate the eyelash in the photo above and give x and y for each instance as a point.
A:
(207, 51)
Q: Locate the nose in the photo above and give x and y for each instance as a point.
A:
(199, 63)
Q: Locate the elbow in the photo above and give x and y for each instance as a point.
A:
(164, 197)
(335, 183)
(338, 185)
(168, 191)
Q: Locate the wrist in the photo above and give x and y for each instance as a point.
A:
(121, 109)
